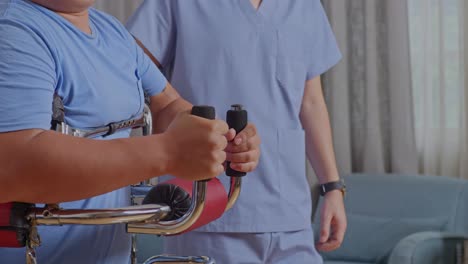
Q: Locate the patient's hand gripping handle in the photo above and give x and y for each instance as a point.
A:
(184, 218)
(204, 111)
(237, 119)
(175, 196)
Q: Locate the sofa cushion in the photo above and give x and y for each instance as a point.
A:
(429, 247)
(370, 238)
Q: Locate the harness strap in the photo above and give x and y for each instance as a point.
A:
(102, 131)
(58, 123)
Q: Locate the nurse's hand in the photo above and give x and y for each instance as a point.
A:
(195, 147)
(332, 222)
(243, 150)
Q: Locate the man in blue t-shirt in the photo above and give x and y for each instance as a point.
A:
(268, 54)
(86, 57)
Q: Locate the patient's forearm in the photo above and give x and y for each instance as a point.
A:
(164, 117)
(46, 167)
(165, 106)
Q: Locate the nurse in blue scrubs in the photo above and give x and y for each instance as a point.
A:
(269, 55)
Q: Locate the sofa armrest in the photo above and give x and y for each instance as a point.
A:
(429, 248)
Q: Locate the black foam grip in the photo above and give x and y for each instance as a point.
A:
(236, 118)
(172, 195)
(204, 111)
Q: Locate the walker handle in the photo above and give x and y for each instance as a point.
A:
(236, 118)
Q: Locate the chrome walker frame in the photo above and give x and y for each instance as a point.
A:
(140, 219)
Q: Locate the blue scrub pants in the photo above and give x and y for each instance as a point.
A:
(247, 248)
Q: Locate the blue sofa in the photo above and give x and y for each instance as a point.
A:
(403, 219)
(392, 219)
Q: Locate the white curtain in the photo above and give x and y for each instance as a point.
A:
(369, 92)
(465, 52)
(121, 9)
(439, 86)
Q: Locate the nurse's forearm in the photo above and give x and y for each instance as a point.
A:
(316, 123)
(46, 167)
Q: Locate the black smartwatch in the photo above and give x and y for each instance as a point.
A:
(331, 186)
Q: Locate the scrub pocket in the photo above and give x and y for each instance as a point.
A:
(290, 63)
(291, 76)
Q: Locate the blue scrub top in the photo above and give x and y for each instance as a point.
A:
(101, 77)
(225, 52)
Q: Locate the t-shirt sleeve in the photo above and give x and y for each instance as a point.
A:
(324, 51)
(152, 80)
(153, 25)
(27, 79)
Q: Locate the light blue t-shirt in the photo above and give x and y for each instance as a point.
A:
(101, 77)
(225, 52)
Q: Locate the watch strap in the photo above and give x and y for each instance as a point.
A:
(331, 186)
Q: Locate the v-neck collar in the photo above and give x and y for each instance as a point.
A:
(92, 35)
(265, 9)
